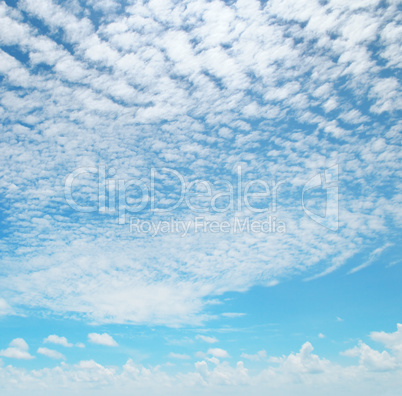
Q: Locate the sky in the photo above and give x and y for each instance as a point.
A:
(200, 197)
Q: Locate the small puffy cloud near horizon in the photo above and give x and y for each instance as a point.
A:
(218, 353)
(55, 339)
(207, 339)
(18, 349)
(102, 339)
(51, 353)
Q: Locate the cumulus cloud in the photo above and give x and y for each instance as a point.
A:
(18, 349)
(218, 353)
(392, 341)
(55, 339)
(298, 374)
(102, 339)
(372, 359)
(303, 361)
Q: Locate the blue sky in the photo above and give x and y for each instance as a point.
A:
(200, 196)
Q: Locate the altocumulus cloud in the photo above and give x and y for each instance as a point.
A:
(199, 87)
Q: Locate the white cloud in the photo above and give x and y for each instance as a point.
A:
(51, 353)
(225, 132)
(303, 362)
(218, 353)
(233, 314)
(297, 374)
(5, 308)
(373, 256)
(231, 80)
(181, 356)
(102, 339)
(55, 339)
(208, 339)
(372, 359)
(260, 355)
(392, 341)
(18, 349)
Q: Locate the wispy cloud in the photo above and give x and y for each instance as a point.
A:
(260, 355)
(51, 353)
(208, 339)
(373, 256)
(180, 356)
